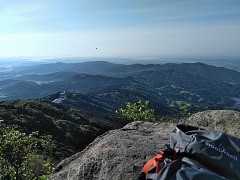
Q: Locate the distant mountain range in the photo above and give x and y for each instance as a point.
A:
(100, 86)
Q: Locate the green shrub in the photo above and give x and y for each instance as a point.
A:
(137, 111)
(20, 157)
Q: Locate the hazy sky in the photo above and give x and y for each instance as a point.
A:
(120, 28)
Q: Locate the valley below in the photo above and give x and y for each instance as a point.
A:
(168, 86)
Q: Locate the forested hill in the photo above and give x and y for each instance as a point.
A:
(71, 129)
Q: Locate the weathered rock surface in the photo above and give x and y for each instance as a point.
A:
(221, 120)
(113, 155)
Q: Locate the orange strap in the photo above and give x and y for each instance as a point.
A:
(153, 162)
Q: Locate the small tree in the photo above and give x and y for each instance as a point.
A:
(17, 151)
(137, 111)
(185, 111)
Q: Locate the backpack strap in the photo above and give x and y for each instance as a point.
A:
(154, 162)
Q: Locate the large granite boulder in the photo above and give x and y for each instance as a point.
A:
(113, 155)
(221, 120)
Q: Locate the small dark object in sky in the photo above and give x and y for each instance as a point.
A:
(96, 48)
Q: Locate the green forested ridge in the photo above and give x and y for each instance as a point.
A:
(103, 102)
(71, 129)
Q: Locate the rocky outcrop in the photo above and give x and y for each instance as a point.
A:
(113, 155)
(222, 120)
